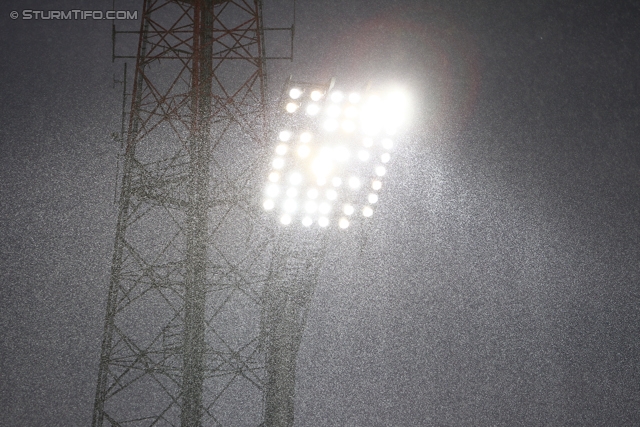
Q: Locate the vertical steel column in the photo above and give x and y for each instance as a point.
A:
(293, 275)
(181, 340)
(197, 216)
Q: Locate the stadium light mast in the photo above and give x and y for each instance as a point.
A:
(205, 308)
(329, 162)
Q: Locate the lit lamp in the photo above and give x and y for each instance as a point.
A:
(331, 155)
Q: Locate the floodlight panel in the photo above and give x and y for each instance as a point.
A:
(326, 158)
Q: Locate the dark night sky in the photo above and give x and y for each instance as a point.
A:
(500, 283)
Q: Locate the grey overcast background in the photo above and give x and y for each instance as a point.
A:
(499, 285)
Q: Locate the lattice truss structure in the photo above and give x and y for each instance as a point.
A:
(181, 343)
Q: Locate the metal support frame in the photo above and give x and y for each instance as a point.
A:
(181, 343)
(298, 257)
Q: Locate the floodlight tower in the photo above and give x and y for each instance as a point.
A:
(181, 343)
(205, 309)
(329, 161)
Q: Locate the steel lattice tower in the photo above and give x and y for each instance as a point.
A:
(192, 335)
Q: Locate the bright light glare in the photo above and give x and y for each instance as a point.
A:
(316, 95)
(295, 178)
(363, 155)
(337, 96)
(397, 103)
(348, 126)
(305, 137)
(331, 125)
(322, 164)
(351, 112)
(303, 151)
(285, 219)
(274, 177)
(341, 153)
(284, 136)
(333, 111)
(295, 93)
(278, 163)
(354, 182)
(313, 109)
(371, 127)
(272, 190)
(290, 205)
(388, 111)
(324, 208)
(310, 206)
(372, 115)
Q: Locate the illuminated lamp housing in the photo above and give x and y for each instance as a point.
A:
(332, 153)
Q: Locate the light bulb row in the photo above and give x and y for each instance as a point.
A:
(342, 113)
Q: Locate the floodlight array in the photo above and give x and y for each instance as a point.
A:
(330, 156)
